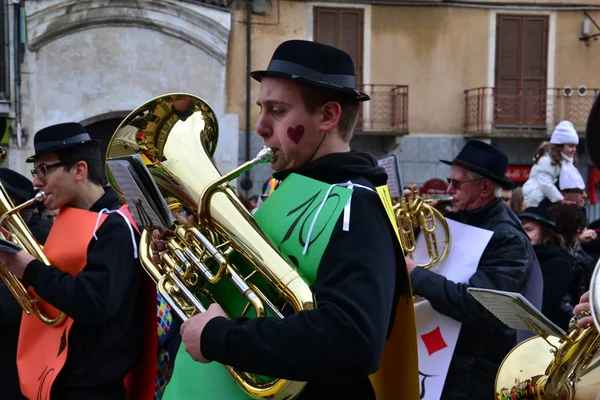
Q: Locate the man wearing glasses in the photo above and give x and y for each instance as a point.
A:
(95, 279)
(476, 177)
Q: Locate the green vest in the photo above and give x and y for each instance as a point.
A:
(287, 219)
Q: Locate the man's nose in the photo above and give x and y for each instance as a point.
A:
(37, 182)
(262, 128)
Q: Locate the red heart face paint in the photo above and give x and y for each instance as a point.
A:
(295, 134)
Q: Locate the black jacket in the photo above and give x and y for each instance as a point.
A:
(10, 315)
(557, 269)
(483, 341)
(105, 339)
(339, 344)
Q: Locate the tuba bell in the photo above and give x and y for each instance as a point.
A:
(20, 234)
(414, 211)
(224, 257)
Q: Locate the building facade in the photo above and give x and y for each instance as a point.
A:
(94, 62)
(438, 73)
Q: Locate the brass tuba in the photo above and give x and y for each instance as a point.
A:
(413, 212)
(22, 236)
(224, 257)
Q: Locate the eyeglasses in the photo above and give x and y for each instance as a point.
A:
(457, 184)
(42, 170)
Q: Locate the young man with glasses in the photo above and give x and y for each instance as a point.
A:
(506, 264)
(95, 279)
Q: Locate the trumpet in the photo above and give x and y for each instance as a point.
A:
(22, 236)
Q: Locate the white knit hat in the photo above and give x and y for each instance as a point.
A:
(564, 133)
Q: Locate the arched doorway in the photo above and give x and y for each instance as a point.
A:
(103, 131)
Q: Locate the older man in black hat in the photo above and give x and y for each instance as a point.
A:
(506, 264)
(309, 108)
(95, 278)
(19, 189)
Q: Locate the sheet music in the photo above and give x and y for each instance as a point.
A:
(143, 198)
(390, 164)
(515, 311)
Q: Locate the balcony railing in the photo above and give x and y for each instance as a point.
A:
(489, 110)
(387, 112)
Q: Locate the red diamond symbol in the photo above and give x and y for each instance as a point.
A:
(434, 341)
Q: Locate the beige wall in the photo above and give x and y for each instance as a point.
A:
(576, 63)
(438, 51)
(265, 38)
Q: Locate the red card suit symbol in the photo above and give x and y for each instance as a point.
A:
(296, 134)
(434, 341)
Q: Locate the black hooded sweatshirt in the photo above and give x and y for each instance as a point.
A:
(339, 344)
(103, 299)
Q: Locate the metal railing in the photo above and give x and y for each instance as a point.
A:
(387, 111)
(489, 110)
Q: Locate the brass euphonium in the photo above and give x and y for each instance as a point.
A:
(413, 212)
(22, 236)
(224, 257)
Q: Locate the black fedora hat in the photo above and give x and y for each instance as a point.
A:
(539, 214)
(485, 160)
(58, 137)
(592, 133)
(314, 63)
(16, 184)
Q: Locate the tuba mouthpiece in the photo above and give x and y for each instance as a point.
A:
(265, 155)
(40, 196)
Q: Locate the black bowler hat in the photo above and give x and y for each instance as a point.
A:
(540, 215)
(58, 137)
(16, 184)
(485, 160)
(314, 63)
(592, 133)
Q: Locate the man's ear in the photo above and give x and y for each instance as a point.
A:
(330, 112)
(487, 187)
(81, 170)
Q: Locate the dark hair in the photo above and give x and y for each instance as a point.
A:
(91, 154)
(548, 235)
(315, 96)
(570, 220)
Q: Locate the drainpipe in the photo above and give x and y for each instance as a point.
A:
(246, 183)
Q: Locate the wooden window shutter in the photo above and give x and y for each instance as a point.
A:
(534, 52)
(342, 28)
(325, 25)
(507, 53)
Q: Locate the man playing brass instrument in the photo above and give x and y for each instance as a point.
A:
(309, 108)
(506, 264)
(95, 279)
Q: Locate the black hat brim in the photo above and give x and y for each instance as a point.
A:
(259, 75)
(535, 217)
(503, 181)
(59, 147)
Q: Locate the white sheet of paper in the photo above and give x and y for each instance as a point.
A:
(437, 333)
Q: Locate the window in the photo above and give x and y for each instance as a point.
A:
(521, 64)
